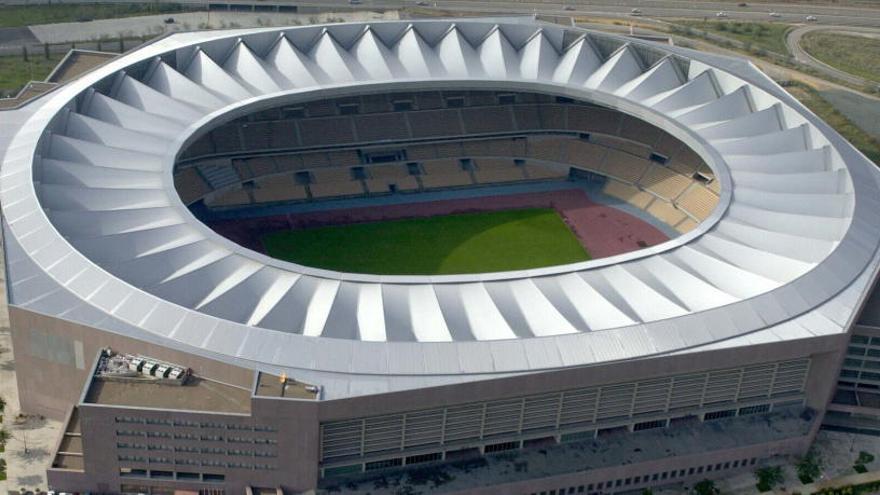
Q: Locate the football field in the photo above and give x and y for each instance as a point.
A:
(448, 244)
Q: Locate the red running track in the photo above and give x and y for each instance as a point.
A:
(604, 231)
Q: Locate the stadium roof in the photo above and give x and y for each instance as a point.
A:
(95, 232)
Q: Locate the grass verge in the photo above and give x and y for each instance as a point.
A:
(855, 135)
(768, 36)
(29, 15)
(15, 72)
(857, 55)
(463, 243)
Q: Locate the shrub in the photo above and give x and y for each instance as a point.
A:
(768, 477)
(808, 467)
(706, 487)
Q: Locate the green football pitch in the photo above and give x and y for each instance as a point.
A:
(462, 243)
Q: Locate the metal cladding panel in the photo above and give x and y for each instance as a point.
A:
(87, 195)
(698, 91)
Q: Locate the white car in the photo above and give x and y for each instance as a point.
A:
(721, 14)
(775, 14)
(635, 12)
(812, 18)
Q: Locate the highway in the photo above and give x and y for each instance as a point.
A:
(690, 9)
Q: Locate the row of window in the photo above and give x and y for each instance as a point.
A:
(192, 462)
(139, 489)
(581, 436)
(190, 436)
(171, 475)
(193, 424)
(592, 488)
(195, 450)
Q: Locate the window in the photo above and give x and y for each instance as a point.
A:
(455, 101)
(563, 99)
(727, 413)
(647, 425)
(658, 158)
(349, 109)
(500, 447)
(506, 99)
(293, 112)
(132, 473)
(762, 408)
(161, 474)
(417, 459)
(402, 105)
(213, 478)
(859, 339)
(387, 463)
(855, 351)
(181, 475)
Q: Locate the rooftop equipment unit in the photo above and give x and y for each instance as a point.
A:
(149, 368)
(136, 363)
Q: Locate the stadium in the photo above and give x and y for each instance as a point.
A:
(438, 256)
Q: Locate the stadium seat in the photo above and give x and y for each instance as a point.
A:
(448, 150)
(381, 127)
(550, 149)
(392, 171)
(260, 166)
(538, 171)
(628, 193)
(435, 123)
(487, 119)
(686, 225)
(346, 158)
(445, 166)
(553, 117)
(624, 167)
(326, 131)
(446, 180)
(421, 152)
(333, 189)
(190, 185)
(698, 201)
(289, 163)
(233, 197)
(332, 174)
(664, 182)
(666, 212)
(508, 174)
(284, 135)
(292, 192)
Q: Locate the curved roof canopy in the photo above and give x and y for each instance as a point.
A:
(96, 232)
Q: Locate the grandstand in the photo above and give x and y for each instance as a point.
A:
(481, 138)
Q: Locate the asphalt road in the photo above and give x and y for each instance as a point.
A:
(790, 13)
(793, 40)
(693, 9)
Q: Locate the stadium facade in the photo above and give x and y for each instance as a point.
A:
(685, 360)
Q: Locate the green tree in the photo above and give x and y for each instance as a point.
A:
(5, 436)
(809, 467)
(706, 487)
(768, 477)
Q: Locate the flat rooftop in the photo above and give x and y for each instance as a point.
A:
(198, 394)
(269, 385)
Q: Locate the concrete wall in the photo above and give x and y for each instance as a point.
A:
(49, 387)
